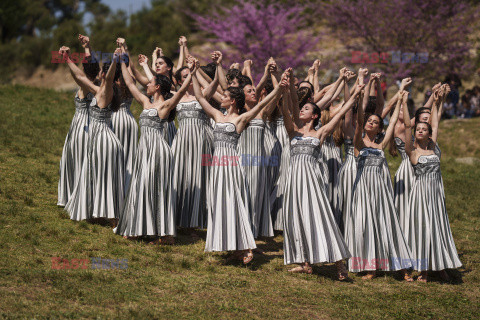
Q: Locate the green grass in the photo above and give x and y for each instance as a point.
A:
(182, 281)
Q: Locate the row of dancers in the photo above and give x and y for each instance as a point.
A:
(329, 210)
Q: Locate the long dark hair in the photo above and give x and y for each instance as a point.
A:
(239, 97)
(304, 94)
(165, 86)
(116, 100)
(91, 69)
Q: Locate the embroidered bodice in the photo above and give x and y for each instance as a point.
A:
(225, 135)
(149, 118)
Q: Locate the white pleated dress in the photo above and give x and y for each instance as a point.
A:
(74, 150)
(99, 192)
(229, 225)
(192, 147)
(125, 127)
(344, 187)
(426, 224)
(170, 132)
(149, 208)
(310, 231)
(332, 158)
(273, 150)
(372, 231)
(403, 182)
(284, 140)
(252, 152)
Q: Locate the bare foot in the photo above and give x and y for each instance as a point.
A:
(341, 271)
(302, 269)
(156, 241)
(422, 277)
(406, 276)
(369, 276)
(247, 257)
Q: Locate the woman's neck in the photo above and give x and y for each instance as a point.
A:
(422, 144)
(370, 136)
(157, 97)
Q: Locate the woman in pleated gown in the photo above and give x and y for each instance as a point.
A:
(255, 150)
(99, 192)
(229, 225)
(426, 225)
(372, 232)
(75, 145)
(310, 231)
(193, 145)
(125, 127)
(150, 203)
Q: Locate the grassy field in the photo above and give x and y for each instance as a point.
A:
(182, 281)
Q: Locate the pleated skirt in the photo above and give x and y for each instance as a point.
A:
(149, 208)
(427, 228)
(192, 145)
(277, 207)
(402, 185)
(100, 190)
(331, 156)
(73, 154)
(273, 151)
(251, 149)
(344, 190)
(310, 231)
(170, 132)
(125, 127)
(372, 231)
(229, 225)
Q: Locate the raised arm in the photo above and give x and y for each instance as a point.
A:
(391, 124)
(391, 103)
(247, 69)
(446, 92)
(222, 80)
(252, 113)
(211, 89)
(143, 80)
(329, 96)
(130, 83)
(408, 126)
(85, 42)
(78, 75)
(380, 99)
(287, 117)
(266, 74)
(158, 52)
(105, 94)
(207, 107)
(182, 43)
(293, 104)
(358, 138)
(316, 84)
(328, 128)
(143, 62)
(437, 99)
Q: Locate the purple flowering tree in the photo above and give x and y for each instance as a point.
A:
(438, 32)
(259, 31)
